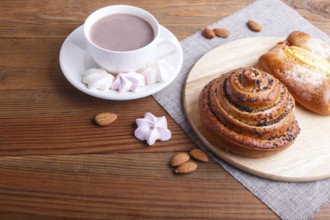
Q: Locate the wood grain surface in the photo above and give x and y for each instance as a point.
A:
(56, 164)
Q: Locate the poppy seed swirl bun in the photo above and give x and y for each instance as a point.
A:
(248, 112)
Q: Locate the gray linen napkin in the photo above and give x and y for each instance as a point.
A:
(287, 200)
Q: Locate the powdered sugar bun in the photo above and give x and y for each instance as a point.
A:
(302, 64)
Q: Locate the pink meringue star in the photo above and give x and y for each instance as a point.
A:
(125, 82)
(151, 129)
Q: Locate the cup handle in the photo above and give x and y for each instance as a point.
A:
(174, 48)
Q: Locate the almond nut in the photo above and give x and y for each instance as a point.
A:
(254, 26)
(179, 159)
(221, 32)
(208, 33)
(105, 118)
(199, 155)
(185, 168)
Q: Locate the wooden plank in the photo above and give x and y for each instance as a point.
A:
(125, 185)
(61, 122)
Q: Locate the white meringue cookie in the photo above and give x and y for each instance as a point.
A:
(130, 81)
(158, 71)
(98, 79)
(151, 128)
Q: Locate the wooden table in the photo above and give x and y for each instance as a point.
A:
(56, 163)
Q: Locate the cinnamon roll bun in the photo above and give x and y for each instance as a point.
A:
(248, 112)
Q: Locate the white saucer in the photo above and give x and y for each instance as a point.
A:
(74, 61)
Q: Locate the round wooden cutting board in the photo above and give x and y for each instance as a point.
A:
(307, 159)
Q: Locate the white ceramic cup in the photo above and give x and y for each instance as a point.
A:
(125, 61)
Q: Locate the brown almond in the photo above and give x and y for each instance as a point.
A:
(185, 168)
(105, 118)
(208, 33)
(179, 159)
(199, 155)
(221, 32)
(254, 26)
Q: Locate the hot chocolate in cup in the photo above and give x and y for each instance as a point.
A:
(123, 38)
